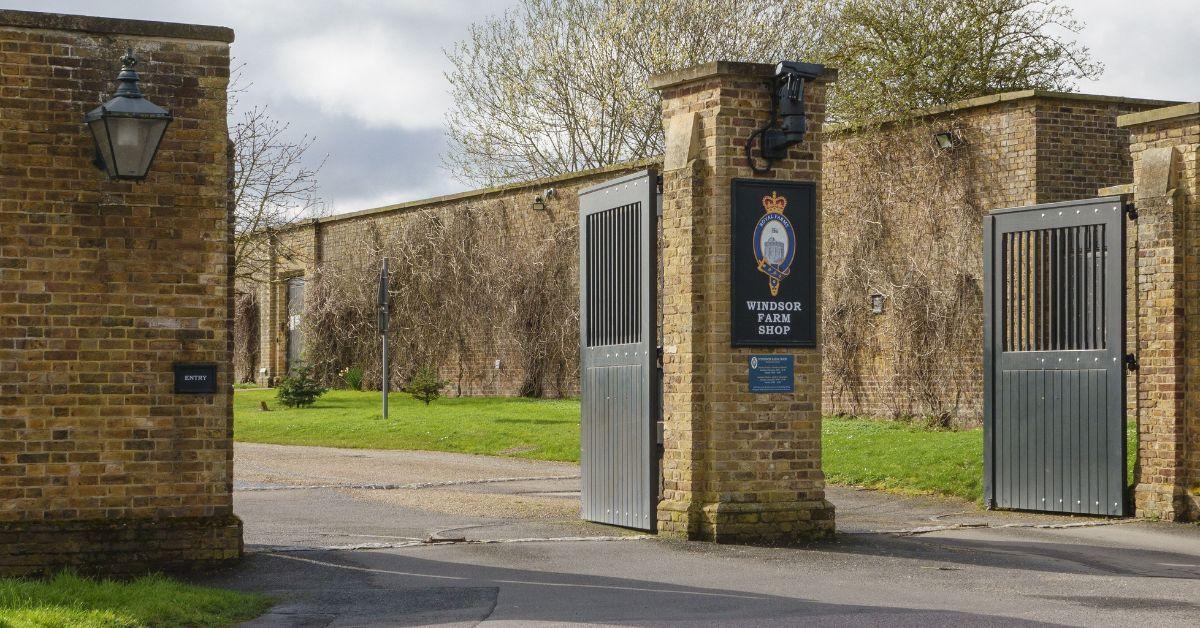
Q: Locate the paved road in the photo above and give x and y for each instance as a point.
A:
(524, 558)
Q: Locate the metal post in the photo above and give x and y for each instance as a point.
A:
(383, 326)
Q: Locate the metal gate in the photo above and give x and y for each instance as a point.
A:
(1054, 366)
(295, 317)
(618, 338)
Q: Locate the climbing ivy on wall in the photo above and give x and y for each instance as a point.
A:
(245, 336)
(466, 286)
(903, 220)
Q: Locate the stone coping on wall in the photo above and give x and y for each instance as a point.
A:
(113, 26)
(1025, 94)
(484, 193)
(1178, 112)
(721, 68)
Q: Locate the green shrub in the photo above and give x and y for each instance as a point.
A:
(353, 376)
(425, 385)
(299, 389)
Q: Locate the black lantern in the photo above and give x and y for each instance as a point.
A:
(127, 129)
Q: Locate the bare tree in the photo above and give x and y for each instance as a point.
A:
(273, 185)
(555, 86)
(560, 85)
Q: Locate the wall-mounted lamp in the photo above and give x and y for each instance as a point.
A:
(127, 129)
(550, 193)
(787, 125)
(947, 140)
(539, 204)
(877, 303)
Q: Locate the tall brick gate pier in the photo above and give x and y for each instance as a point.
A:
(104, 286)
(737, 466)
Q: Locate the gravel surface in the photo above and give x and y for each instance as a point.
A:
(288, 464)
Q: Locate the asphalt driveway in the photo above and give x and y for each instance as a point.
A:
(354, 537)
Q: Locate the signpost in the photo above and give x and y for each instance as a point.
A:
(383, 326)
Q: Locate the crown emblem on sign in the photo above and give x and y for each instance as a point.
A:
(774, 242)
(774, 204)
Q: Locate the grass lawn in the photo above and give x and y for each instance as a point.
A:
(542, 429)
(896, 456)
(69, 600)
(887, 455)
(899, 457)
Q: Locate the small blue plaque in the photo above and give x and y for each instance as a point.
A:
(772, 374)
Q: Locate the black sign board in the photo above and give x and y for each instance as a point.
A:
(774, 256)
(195, 379)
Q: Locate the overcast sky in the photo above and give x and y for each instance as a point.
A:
(365, 76)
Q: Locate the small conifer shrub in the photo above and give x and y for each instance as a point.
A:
(298, 389)
(425, 385)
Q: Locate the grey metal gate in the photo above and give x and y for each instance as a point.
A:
(295, 317)
(1054, 364)
(617, 338)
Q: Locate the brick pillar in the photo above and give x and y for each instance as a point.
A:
(1166, 329)
(737, 467)
(104, 287)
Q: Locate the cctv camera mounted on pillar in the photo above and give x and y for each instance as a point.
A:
(787, 124)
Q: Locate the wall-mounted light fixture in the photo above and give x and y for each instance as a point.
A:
(877, 303)
(539, 204)
(947, 140)
(550, 193)
(787, 125)
(127, 129)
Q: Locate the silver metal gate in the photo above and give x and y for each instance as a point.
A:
(295, 318)
(617, 338)
(1054, 364)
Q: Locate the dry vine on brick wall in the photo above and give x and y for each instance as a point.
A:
(908, 229)
(245, 336)
(460, 294)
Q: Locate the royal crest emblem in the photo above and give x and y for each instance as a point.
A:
(774, 241)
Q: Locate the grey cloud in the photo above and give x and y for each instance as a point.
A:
(1147, 50)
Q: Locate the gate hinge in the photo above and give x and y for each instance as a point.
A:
(1130, 210)
(658, 189)
(1131, 362)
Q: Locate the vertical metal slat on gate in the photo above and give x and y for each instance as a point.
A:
(1054, 374)
(617, 351)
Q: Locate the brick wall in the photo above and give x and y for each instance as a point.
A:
(1080, 148)
(103, 285)
(1165, 309)
(337, 241)
(1018, 149)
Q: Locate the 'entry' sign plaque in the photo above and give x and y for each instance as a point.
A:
(195, 379)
